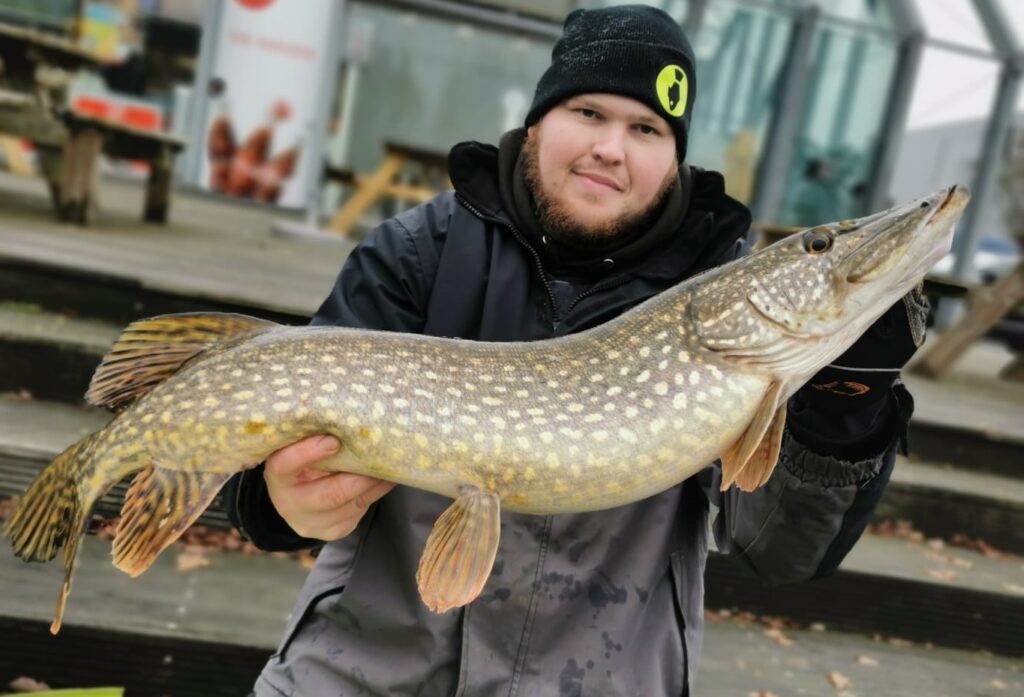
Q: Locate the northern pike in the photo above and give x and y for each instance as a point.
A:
(598, 419)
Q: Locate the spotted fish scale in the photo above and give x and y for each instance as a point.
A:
(584, 422)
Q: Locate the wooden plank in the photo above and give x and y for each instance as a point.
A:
(986, 306)
(1014, 371)
(158, 189)
(17, 161)
(79, 180)
(367, 193)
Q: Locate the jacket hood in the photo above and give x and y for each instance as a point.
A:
(711, 223)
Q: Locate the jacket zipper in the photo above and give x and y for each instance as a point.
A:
(597, 287)
(555, 319)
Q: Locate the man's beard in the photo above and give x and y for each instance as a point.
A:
(558, 221)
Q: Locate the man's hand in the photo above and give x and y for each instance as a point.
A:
(316, 504)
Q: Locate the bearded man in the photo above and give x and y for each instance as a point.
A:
(584, 213)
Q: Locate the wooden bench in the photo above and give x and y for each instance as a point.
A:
(987, 305)
(88, 136)
(384, 182)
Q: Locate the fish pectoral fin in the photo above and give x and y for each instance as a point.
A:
(750, 460)
(460, 551)
(151, 350)
(160, 504)
(764, 458)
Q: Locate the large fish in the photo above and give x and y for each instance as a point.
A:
(579, 423)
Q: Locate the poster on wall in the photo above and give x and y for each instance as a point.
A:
(262, 98)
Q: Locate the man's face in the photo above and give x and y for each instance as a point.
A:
(599, 164)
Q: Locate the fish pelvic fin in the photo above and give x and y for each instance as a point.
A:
(151, 350)
(460, 551)
(159, 506)
(53, 514)
(750, 461)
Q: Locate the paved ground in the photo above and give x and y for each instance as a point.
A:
(746, 659)
(210, 249)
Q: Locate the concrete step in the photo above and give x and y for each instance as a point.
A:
(919, 590)
(33, 432)
(51, 355)
(971, 418)
(950, 597)
(942, 501)
(188, 633)
(181, 622)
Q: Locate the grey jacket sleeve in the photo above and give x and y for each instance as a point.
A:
(384, 284)
(807, 517)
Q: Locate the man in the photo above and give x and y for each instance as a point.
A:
(568, 223)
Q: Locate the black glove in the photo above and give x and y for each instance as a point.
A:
(845, 410)
(864, 374)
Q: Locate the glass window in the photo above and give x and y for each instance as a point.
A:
(547, 9)
(740, 53)
(1014, 12)
(847, 97)
(868, 11)
(429, 83)
(675, 8)
(955, 21)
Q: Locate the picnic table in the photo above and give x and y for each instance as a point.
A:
(386, 182)
(35, 69)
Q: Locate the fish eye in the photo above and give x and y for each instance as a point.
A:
(817, 241)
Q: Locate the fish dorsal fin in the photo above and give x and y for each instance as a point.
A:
(460, 551)
(151, 350)
(159, 505)
(752, 458)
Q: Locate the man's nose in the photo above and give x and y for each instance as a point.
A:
(610, 146)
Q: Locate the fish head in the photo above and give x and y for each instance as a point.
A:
(802, 301)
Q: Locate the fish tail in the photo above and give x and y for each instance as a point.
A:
(53, 514)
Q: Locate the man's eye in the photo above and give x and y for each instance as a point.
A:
(587, 113)
(647, 130)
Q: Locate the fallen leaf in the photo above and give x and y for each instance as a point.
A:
(762, 693)
(187, 561)
(901, 643)
(936, 543)
(998, 684)
(1013, 588)
(961, 540)
(838, 680)
(867, 661)
(776, 635)
(944, 575)
(26, 684)
(898, 529)
(962, 563)
(817, 627)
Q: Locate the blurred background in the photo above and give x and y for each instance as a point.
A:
(183, 155)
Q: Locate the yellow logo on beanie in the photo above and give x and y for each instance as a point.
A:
(673, 88)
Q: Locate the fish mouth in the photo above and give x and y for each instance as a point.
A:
(922, 230)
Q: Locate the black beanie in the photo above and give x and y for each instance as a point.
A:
(631, 50)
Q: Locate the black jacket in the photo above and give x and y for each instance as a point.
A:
(611, 601)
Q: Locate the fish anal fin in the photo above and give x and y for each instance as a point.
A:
(736, 458)
(460, 551)
(151, 350)
(764, 458)
(159, 506)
